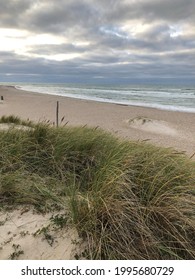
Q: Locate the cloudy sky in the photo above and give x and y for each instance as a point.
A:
(97, 41)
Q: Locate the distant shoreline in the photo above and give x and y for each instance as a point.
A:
(163, 128)
(139, 96)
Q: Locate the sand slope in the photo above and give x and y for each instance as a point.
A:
(25, 234)
(22, 234)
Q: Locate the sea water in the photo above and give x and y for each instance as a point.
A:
(174, 98)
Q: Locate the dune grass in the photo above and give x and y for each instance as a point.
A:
(128, 200)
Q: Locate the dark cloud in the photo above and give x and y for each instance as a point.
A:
(152, 10)
(173, 11)
(56, 16)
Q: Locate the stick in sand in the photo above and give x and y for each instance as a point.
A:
(57, 114)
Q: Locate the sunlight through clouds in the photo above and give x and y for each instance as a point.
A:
(132, 35)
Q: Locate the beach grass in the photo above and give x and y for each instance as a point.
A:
(127, 200)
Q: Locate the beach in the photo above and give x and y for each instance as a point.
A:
(160, 127)
(27, 234)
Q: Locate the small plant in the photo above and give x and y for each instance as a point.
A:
(59, 220)
(75, 242)
(10, 119)
(24, 233)
(17, 252)
(15, 120)
(8, 241)
(3, 222)
(142, 120)
(82, 256)
(45, 231)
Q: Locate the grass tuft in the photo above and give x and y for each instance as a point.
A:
(15, 120)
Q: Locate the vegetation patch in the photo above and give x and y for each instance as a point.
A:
(128, 200)
(17, 252)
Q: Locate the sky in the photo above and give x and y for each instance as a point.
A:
(97, 41)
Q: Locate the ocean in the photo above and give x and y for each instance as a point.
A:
(174, 98)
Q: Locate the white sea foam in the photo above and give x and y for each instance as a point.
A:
(165, 98)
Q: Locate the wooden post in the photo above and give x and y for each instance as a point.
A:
(57, 114)
(2, 98)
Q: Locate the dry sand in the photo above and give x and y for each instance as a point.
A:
(163, 128)
(25, 234)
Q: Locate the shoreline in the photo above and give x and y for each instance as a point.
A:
(157, 107)
(169, 108)
(160, 127)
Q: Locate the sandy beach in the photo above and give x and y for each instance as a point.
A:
(163, 128)
(22, 235)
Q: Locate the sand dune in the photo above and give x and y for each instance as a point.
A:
(21, 232)
(25, 234)
(154, 126)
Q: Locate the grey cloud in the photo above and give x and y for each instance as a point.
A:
(175, 10)
(137, 66)
(11, 12)
(157, 39)
(112, 51)
(59, 15)
(151, 10)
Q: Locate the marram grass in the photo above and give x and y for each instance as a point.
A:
(128, 200)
